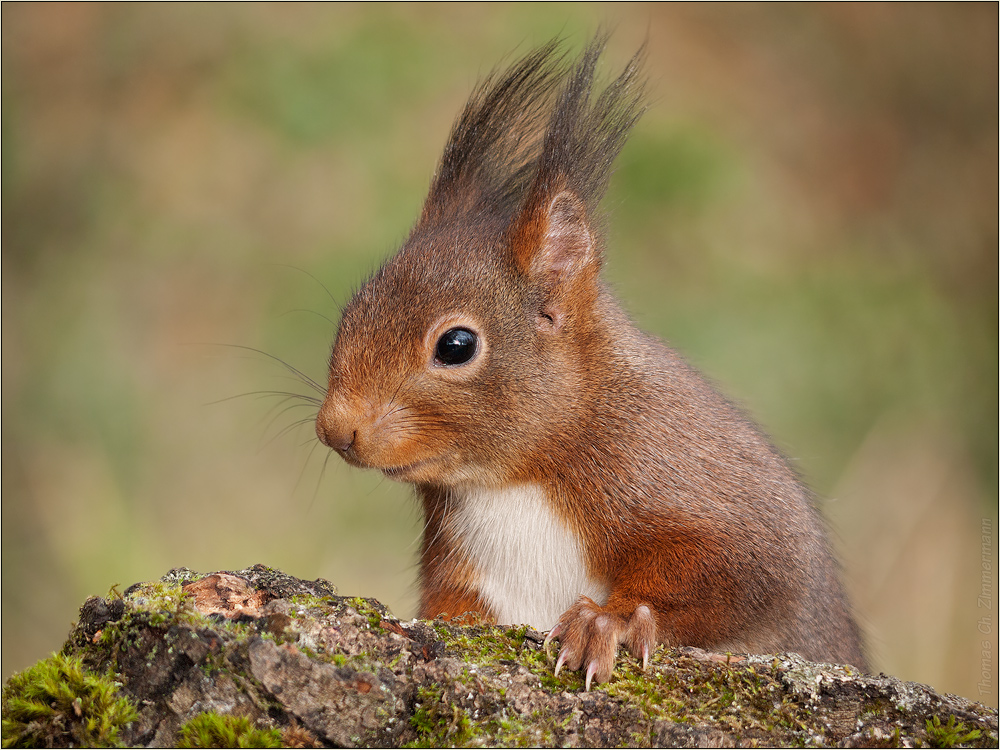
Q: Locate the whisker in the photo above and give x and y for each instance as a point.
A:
(322, 472)
(294, 370)
(302, 473)
(283, 407)
(311, 312)
(290, 428)
(267, 394)
(320, 283)
(285, 395)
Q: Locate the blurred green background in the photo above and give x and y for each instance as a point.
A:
(808, 211)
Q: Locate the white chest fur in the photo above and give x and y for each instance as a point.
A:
(531, 566)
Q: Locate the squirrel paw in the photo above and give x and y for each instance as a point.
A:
(589, 634)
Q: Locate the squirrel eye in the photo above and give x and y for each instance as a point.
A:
(456, 347)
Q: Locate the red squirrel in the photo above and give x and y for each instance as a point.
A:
(576, 474)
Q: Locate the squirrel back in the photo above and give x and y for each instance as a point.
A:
(575, 473)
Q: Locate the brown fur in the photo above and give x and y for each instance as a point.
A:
(695, 523)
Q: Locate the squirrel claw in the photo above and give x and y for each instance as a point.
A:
(554, 633)
(560, 661)
(591, 671)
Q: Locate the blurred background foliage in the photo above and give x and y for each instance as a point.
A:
(808, 211)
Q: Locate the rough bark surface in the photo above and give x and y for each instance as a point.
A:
(327, 670)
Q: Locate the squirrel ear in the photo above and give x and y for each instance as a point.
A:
(563, 246)
(567, 246)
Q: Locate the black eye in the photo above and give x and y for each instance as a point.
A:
(456, 346)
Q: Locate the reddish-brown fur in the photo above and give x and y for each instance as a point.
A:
(694, 523)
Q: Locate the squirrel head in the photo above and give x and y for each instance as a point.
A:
(463, 355)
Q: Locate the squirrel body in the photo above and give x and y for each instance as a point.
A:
(575, 473)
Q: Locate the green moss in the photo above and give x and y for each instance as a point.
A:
(181, 576)
(58, 702)
(439, 724)
(160, 598)
(515, 731)
(951, 734)
(215, 730)
(364, 608)
(158, 604)
(310, 601)
(740, 700)
(490, 645)
(165, 603)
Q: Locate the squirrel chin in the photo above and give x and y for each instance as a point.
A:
(414, 472)
(423, 470)
(439, 471)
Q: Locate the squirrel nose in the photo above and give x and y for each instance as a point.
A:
(340, 440)
(333, 430)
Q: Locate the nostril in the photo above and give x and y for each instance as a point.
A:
(342, 424)
(344, 445)
(332, 436)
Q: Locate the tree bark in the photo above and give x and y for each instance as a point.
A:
(319, 669)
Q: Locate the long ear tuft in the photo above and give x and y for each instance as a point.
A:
(583, 137)
(529, 133)
(489, 158)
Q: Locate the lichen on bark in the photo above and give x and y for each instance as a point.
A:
(294, 659)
